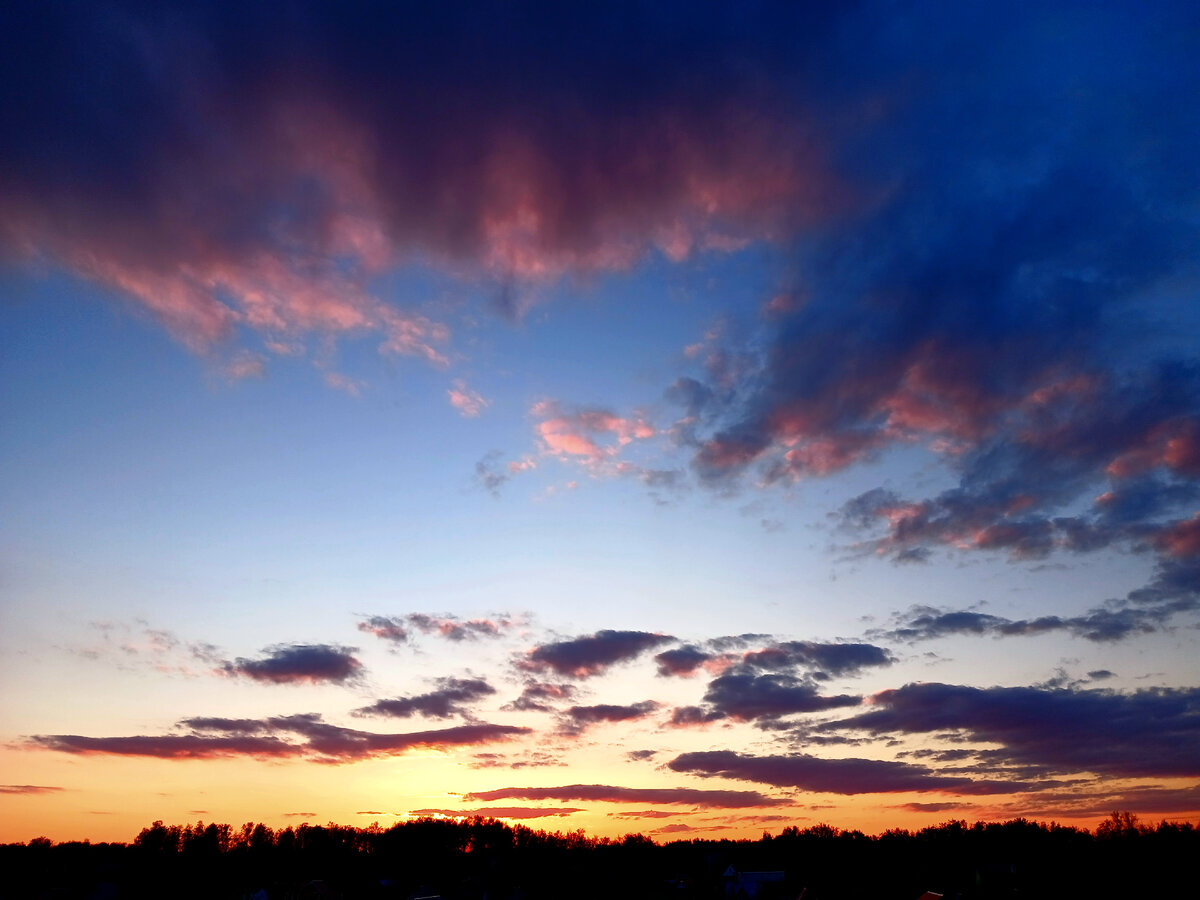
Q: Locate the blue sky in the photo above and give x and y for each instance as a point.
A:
(514, 409)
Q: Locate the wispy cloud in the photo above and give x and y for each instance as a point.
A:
(469, 403)
(577, 719)
(399, 629)
(540, 695)
(29, 789)
(451, 698)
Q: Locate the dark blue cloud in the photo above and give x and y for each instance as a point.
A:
(605, 793)
(821, 660)
(299, 736)
(1148, 733)
(589, 655)
(576, 719)
(451, 698)
(369, 136)
(745, 697)
(1007, 292)
(765, 684)
(685, 660)
(834, 776)
(540, 696)
(299, 664)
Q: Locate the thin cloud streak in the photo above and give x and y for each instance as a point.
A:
(501, 812)
(613, 794)
(297, 736)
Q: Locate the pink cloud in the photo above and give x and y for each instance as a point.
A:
(1174, 444)
(272, 209)
(345, 383)
(592, 435)
(1181, 538)
(468, 402)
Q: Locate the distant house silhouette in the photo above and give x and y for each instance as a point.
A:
(749, 885)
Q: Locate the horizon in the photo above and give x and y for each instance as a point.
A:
(671, 419)
(1117, 823)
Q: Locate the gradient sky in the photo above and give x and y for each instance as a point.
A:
(688, 418)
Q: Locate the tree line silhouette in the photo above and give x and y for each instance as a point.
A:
(487, 859)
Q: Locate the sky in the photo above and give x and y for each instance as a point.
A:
(692, 419)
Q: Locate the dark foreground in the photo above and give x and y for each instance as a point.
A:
(484, 859)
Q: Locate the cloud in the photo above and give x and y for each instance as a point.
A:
(299, 664)
(537, 696)
(399, 629)
(543, 157)
(835, 776)
(468, 402)
(609, 794)
(386, 628)
(452, 628)
(674, 828)
(488, 476)
(576, 719)
(590, 655)
(689, 659)
(689, 716)
(765, 684)
(1008, 306)
(933, 807)
(1147, 733)
(136, 645)
(29, 789)
(823, 661)
(500, 812)
(449, 699)
(298, 736)
(491, 475)
(744, 697)
(528, 759)
(580, 434)
(1098, 625)
(1096, 800)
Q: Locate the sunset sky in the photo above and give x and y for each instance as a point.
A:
(685, 418)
